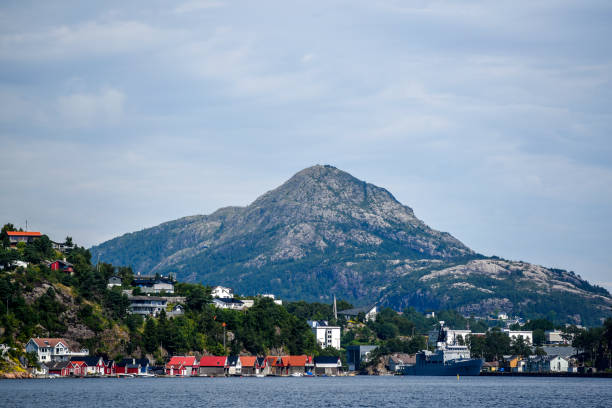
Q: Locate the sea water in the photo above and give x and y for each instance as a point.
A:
(360, 391)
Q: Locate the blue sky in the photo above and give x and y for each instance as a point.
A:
(492, 120)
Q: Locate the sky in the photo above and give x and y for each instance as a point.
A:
(491, 119)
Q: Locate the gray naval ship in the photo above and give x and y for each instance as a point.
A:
(447, 359)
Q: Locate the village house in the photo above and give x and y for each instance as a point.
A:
(61, 265)
(52, 349)
(154, 284)
(59, 368)
(326, 335)
(511, 364)
(110, 367)
(324, 365)
(278, 365)
(228, 303)
(249, 365)
(261, 366)
(114, 281)
(93, 365)
(369, 312)
(299, 364)
(185, 366)
(61, 246)
(539, 364)
(77, 368)
(212, 366)
(16, 237)
(147, 305)
(233, 365)
(222, 292)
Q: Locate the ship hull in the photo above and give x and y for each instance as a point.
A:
(462, 367)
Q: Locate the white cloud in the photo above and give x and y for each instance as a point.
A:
(86, 109)
(83, 40)
(197, 5)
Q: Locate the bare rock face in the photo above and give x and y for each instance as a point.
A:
(324, 232)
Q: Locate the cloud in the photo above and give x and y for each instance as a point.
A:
(83, 40)
(87, 109)
(197, 5)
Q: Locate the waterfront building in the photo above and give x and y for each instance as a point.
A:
(185, 366)
(542, 364)
(355, 355)
(249, 365)
(233, 365)
(325, 365)
(212, 366)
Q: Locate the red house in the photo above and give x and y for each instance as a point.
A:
(213, 366)
(61, 265)
(59, 368)
(185, 366)
(77, 368)
(110, 367)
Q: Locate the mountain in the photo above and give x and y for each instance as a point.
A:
(325, 232)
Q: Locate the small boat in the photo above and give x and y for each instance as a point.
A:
(259, 375)
(297, 375)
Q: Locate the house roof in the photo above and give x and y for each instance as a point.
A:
(299, 361)
(326, 360)
(49, 342)
(23, 234)
(227, 300)
(248, 361)
(356, 311)
(58, 365)
(177, 361)
(91, 361)
(261, 361)
(62, 262)
(213, 361)
(232, 361)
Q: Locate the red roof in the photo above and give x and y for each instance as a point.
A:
(298, 361)
(23, 234)
(213, 361)
(248, 361)
(49, 342)
(185, 361)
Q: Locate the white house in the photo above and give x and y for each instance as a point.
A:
(234, 365)
(527, 335)
(327, 336)
(229, 303)
(222, 292)
(552, 363)
(147, 305)
(52, 349)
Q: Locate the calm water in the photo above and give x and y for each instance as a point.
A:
(315, 392)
